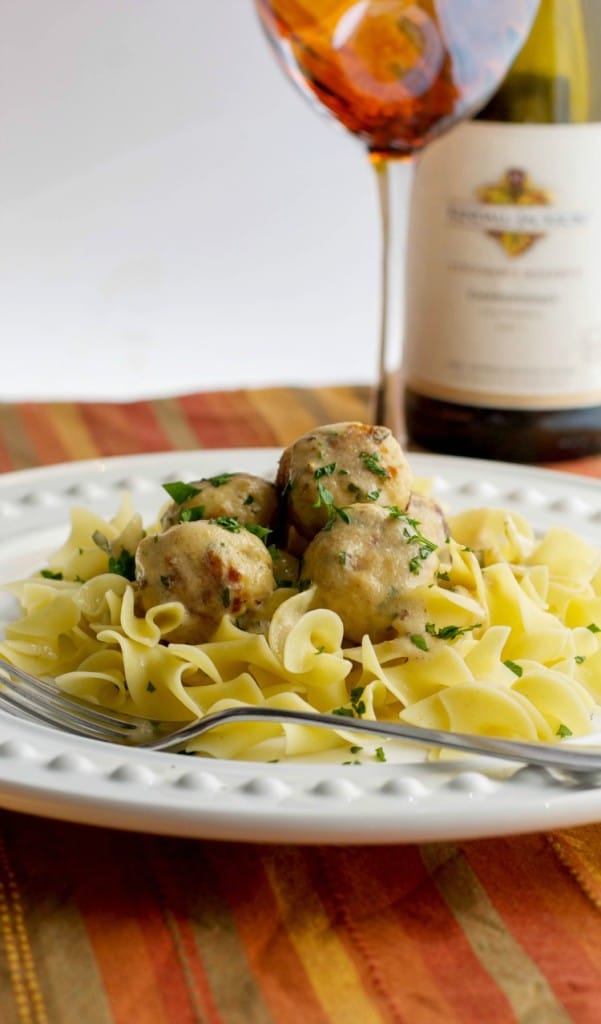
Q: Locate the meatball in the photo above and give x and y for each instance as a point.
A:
(339, 465)
(429, 518)
(365, 569)
(210, 570)
(242, 496)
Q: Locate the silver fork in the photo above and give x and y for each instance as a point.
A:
(37, 700)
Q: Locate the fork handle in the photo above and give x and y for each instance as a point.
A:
(549, 755)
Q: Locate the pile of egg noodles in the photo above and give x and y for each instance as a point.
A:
(511, 647)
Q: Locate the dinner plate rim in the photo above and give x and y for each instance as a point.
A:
(54, 775)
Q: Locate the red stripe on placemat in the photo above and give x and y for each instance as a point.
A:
(279, 971)
(226, 420)
(555, 924)
(386, 906)
(125, 429)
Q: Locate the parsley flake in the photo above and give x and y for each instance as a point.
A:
(123, 565)
(180, 491)
(48, 574)
(191, 514)
(324, 471)
(371, 461)
(449, 632)
(219, 481)
(517, 669)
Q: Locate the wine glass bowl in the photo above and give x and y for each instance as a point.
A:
(395, 74)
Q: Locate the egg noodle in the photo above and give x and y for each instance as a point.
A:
(511, 645)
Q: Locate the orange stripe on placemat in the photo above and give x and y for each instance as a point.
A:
(285, 413)
(279, 970)
(526, 989)
(579, 850)
(200, 915)
(41, 431)
(547, 914)
(126, 429)
(18, 451)
(143, 975)
(316, 940)
(588, 466)
(225, 420)
(70, 428)
(26, 992)
(387, 908)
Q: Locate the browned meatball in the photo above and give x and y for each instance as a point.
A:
(242, 496)
(335, 466)
(429, 517)
(210, 570)
(366, 567)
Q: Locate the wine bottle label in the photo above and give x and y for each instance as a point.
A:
(504, 267)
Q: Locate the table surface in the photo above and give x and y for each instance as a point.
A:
(104, 926)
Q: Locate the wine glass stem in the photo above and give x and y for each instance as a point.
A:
(393, 180)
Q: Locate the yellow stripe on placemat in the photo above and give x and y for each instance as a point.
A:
(504, 959)
(174, 424)
(579, 850)
(329, 968)
(28, 998)
(71, 429)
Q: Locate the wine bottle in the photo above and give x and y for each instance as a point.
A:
(502, 352)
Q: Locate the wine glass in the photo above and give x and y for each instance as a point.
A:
(396, 74)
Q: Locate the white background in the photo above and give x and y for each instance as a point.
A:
(173, 215)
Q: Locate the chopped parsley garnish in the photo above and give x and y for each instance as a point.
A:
(324, 471)
(412, 535)
(419, 641)
(262, 532)
(191, 514)
(594, 628)
(225, 597)
(150, 687)
(564, 731)
(123, 565)
(517, 669)
(579, 659)
(357, 704)
(48, 574)
(371, 461)
(166, 581)
(228, 523)
(380, 754)
(218, 481)
(249, 499)
(357, 708)
(449, 632)
(325, 499)
(180, 491)
(373, 495)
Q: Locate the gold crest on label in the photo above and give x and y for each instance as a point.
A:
(514, 188)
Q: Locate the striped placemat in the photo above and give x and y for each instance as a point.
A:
(100, 926)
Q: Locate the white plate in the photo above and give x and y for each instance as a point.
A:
(52, 774)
